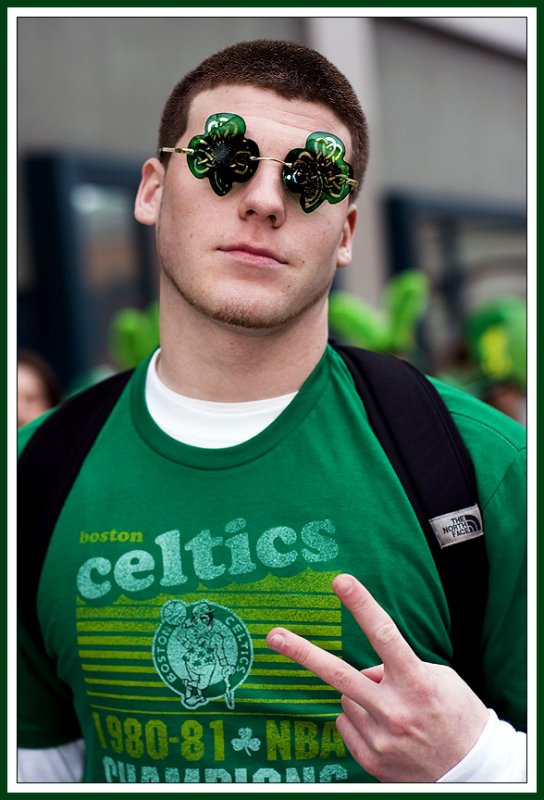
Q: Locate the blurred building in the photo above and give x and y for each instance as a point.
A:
(445, 192)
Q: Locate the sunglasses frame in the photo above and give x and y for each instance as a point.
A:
(225, 156)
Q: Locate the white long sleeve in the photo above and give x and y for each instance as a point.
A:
(499, 756)
(62, 764)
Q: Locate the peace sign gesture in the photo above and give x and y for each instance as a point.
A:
(403, 720)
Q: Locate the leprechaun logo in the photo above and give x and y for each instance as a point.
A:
(202, 651)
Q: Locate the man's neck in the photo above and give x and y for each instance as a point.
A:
(210, 361)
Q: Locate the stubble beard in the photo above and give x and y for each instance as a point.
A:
(241, 312)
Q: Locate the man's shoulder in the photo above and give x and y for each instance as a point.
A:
(472, 416)
(77, 407)
(475, 417)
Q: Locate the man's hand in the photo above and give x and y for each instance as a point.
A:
(403, 720)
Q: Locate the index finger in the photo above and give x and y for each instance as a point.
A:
(331, 669)
(382, 633)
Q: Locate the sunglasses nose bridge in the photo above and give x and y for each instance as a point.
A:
(271, 158)
(284, 173)
(272, 174)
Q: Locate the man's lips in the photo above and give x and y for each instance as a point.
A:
(248, 254)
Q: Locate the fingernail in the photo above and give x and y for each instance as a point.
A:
(276, 641)
(343, 583)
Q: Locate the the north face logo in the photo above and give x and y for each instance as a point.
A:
(472, 523)
(458, 526)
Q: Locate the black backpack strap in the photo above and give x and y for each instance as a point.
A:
(47, 468)
(421, 440)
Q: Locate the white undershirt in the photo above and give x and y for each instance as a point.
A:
(499, 755)
(203, 423)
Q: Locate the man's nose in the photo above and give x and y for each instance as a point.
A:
(264, 196)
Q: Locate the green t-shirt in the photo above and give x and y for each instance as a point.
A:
(170, 563)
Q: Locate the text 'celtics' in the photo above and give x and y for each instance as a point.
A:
(205, 557)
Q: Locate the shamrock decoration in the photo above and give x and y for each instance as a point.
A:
(222, 153)
(318, 172)
(246, 741)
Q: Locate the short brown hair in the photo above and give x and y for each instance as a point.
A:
(292, 70)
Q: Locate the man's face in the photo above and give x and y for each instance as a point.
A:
(252, 258)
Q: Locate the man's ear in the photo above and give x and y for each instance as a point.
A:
(148, 198)
(346, 240)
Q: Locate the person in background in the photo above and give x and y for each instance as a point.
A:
(38, 389)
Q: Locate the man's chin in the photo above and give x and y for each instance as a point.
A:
(254, 318)
(251, 324)
(251, 316)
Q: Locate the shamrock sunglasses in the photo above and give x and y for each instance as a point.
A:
(222, 154)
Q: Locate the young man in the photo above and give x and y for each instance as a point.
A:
(237, 477)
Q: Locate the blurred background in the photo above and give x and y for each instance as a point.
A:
(439, 269)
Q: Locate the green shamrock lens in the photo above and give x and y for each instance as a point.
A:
(318, 171)
(222, 153)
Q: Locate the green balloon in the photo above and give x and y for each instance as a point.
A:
(134, 335)
(393, 329)
(356, 322)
